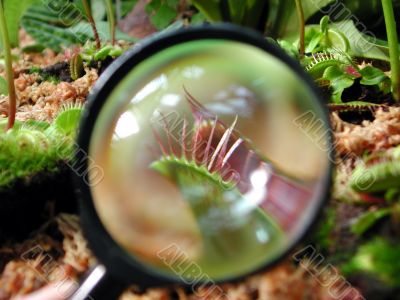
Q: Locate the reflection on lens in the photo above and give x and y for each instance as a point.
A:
(204, 162)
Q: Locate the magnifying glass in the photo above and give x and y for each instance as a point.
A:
(205, 155)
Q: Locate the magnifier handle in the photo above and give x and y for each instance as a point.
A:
(98, 285)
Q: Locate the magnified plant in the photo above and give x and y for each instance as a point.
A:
(212, 164)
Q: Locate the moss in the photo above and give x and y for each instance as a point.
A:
(32, 147)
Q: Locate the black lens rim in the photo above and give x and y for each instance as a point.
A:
(120, 264)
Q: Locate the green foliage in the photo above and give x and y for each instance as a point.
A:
(83, 31)
(76, 68)
(210, 9)
(111, 19)
(345, 36)
(34, 48)
(162, 12)
(376, 178)
(323, 234)
(67, 121)
(51, 36)
(3, 86)
(282, 19)
(13, 11)
(53, 30)
(379, 258)
(393, 41)
(34, 146)
(336, 67)
(244, 12)
(325, 38)
(90, 53)
(339, 81)
(368, 219)
(125, 7)
(12, 97)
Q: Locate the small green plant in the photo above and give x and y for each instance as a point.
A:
(12, 97)
(76, 68)
(378, 173)
(91, 53)
(378, 257)
(390, 21)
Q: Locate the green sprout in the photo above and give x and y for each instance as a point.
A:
(300, 13)
(390, 22)
(111, 20)
(89, 15)
(9, 70)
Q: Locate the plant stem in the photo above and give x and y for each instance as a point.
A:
(12, 98)
(118, 10)
(111, 20)
(393, 47)
(89, 15)
(300, 14)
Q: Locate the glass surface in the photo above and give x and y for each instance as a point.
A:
(212, 162)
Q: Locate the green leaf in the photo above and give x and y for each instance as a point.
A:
(368, 219)
(164, 16)
(237, 8)
(153, 6)
(360, 44)
(254, 11)
(379, 258)
(44, 13)
(83, 29)
(210, 9)
(34, 48)
(286, 17)
(51, 36)
(67, 121)
(126, 7)
(198, 18)
(14, 11)
(311, 45)
(324, 24)
(98, 9)
(340, 80)
(3, 86)
(372, 76)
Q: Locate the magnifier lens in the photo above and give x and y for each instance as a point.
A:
(214, 156)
